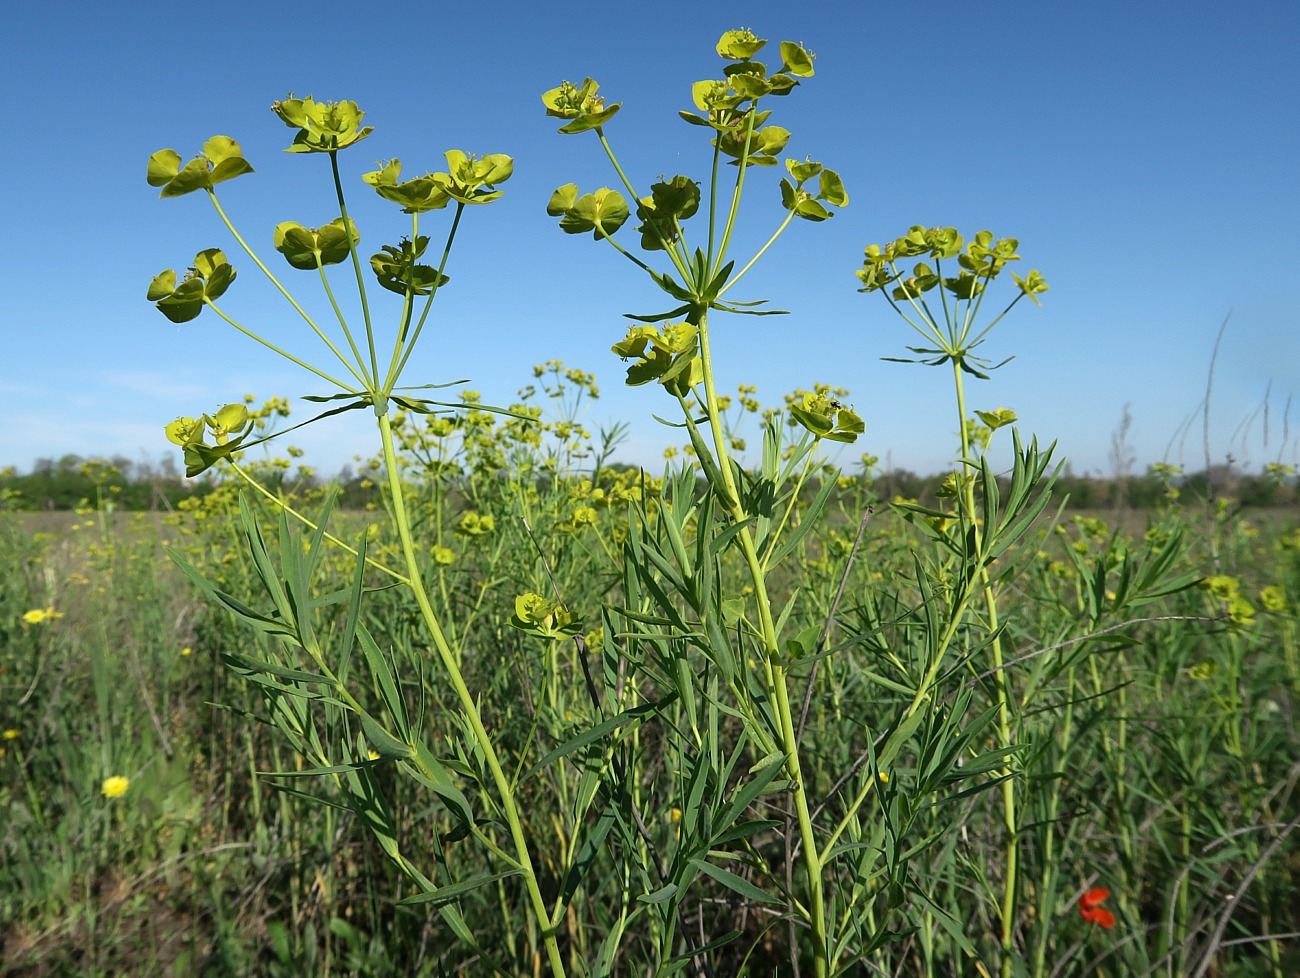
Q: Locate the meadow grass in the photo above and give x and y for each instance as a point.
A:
(1155, 744)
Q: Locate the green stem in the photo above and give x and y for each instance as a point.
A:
(338, 313)
(284, 353)
(742, 166)
(1008, 787)
(419, 327)
(356, 266)
(776, 670)
(672, 248)
(361, 378)
(468, 703)
(770, 241)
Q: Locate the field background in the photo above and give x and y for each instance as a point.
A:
(1159, 730)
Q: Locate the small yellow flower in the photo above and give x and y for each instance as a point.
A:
(115, 787)
(10, 734)
(676, 814)
(187, 651)
(372, 754)
(38, 616)
(883, 777)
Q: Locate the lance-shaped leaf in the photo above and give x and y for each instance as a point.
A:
(602, 213)
(580, 104)
(416, 196)
(221, 160)
(311, 248)
(396, 270)
(323, 127)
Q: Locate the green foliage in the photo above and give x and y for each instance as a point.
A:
(533, 713)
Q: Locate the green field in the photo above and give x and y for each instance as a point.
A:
(1153, 746)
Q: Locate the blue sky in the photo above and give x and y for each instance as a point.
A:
(1144, 154)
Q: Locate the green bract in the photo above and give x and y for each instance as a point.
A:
(230, 426)
(668, 204)
(827, 418)
(602, 213)
(220, 160)
(830, 189)
(581, 104)
(311, 248)
(923, 279)
(669, 354)
(1031, 284)
(396, 270)
(739, 45)
(324, 127)
(764, 144)
(997, 418)
(205, 282)
(470, 179)
(416, 196)
(796, 61)
(534, 615)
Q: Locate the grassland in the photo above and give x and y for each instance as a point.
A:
(1154, 672)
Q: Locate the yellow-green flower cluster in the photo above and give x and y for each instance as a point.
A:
(1228, 591)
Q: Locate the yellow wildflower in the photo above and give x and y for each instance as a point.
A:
(187, 651)
(115, 787)
(10, 734)
(38, 616)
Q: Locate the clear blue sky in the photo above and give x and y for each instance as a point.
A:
(1146, 156)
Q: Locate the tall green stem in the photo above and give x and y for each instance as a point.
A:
(1009, 820)
(449, 661)
(776, 668)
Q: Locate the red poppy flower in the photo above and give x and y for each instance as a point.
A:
(1091, 909)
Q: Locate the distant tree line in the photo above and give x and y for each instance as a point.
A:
(71, 481)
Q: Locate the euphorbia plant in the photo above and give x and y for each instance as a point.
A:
(741, 515)
(945, 309)
(343, 731)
